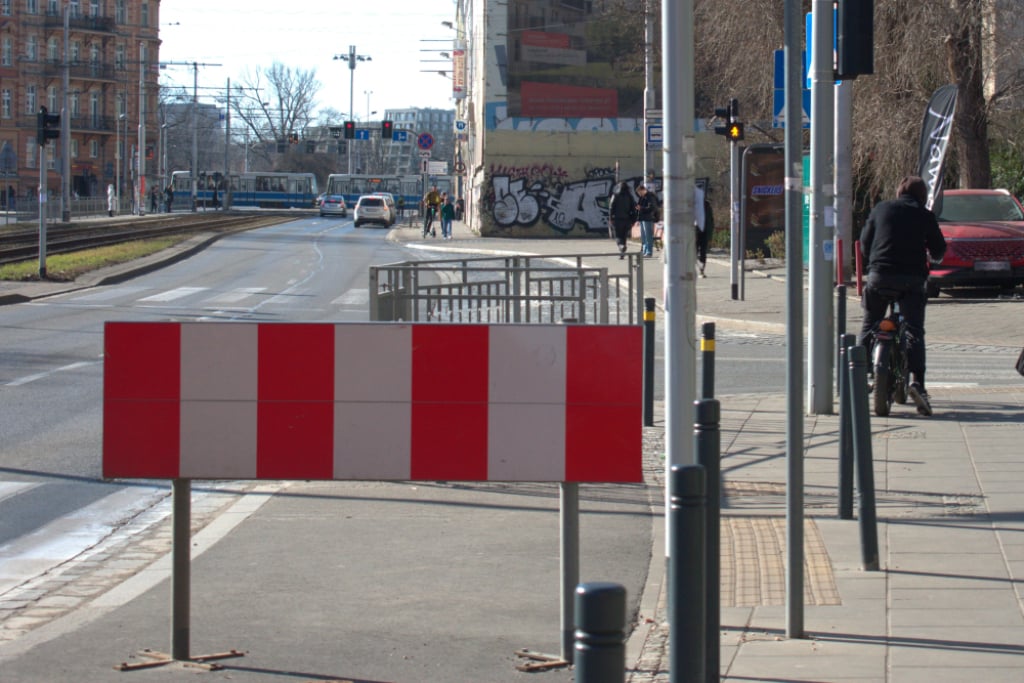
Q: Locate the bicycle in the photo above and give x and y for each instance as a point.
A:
(889, 360)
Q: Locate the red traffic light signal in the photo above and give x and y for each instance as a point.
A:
(350, 130)
(386, 130)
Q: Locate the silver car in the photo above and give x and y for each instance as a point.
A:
(333, 205)
(373, 209)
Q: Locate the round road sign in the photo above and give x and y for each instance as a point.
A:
(425, 141)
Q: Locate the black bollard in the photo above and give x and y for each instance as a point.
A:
(840, 329)
(708, 446)
(845, 430)
(859, 409)
(707, 355)
(649, 362)
(600, 650)
(687, 586)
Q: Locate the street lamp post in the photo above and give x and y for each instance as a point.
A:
(117, 161)
(352, 58)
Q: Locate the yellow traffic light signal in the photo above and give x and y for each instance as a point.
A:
(735, 132)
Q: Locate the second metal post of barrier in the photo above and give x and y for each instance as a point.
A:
(862, 453)
(687, 590)
(649, 362)
(845, 430)
(707, 354)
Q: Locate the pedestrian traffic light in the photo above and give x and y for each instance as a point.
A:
(350, 130)
(47, 126)
(855, 43)
(733, 128)
(386, 130)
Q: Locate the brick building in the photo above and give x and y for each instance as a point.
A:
(100, 47)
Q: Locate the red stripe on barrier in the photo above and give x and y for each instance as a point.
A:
(141, 385)
(604, 400)
(295, 416)
(449, 402)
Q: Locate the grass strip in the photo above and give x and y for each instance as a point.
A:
(67, 267)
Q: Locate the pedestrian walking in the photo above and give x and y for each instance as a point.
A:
(169, 197)
(646, 213)
(447, 216)
(621, 216)
(111, 199)
(154, 200)
(703, 222)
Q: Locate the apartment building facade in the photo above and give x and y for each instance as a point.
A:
(107, 52)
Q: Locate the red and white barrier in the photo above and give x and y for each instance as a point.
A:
(373, 401)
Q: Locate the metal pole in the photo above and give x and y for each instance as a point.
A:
(707, 355)
(195, 134)
(707, 439)
(227, 148)
(862, 453)
(687, 598)
(600, 633)
(649, 362)
(680, 303)
(140, 194)
(794, 324)
(180, 569)
(351, 98)
(569, 525)
(42, 209)
(844, 177)
(649, 93)
(819, 307)
(117, 164)
(65, 125)
(845, 430)
(736, 239)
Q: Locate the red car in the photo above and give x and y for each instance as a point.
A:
(984, 231)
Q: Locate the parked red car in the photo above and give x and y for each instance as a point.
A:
(984, 231)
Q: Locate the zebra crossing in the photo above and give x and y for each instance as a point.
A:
(216, 301)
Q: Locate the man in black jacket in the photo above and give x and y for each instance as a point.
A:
(895, 241)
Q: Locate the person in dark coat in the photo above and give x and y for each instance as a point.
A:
(621, 216)
(896, 241)
(646, 213)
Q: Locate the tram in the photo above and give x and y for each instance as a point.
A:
(352, 186)
(256, 190)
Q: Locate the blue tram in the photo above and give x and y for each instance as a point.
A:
(256, 190)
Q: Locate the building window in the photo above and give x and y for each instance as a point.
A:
(119, 56)
(76, 52)
(5, 7)
(51, 51)
(6, 103)
(51, 98)
(94, 8)
(32, 6)
(32, 49)
(7, 52)
(31, 104)
(121, 13)
(75, 103)
(74, 148)
(51, 157)
(76, 10)
(30, 152)
(94, 109)
(94, 149)
(145, 14)
(51, 8)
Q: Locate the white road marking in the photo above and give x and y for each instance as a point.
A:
(42, 375)
(234, 295)
(173, 294)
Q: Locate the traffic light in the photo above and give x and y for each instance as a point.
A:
(350, 130)
(386, 130)
(47, 126)
(733, 128)
(855, 44)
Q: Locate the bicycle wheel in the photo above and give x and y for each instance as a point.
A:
(882, 396)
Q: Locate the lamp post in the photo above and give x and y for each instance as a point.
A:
(117, 162)
(352, 58)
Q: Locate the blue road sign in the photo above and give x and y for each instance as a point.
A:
(362, 133)
(425, 141)
(400, 136)
(779, 103)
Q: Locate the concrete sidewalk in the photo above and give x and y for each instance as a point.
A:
(948, 601)
(946, 605)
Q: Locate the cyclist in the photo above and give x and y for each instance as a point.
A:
(431, 204)
(894, 241)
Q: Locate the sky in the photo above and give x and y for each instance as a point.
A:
(397, 35)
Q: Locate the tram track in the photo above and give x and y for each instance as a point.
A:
(22, 243)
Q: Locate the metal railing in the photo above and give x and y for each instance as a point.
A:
(510, 289)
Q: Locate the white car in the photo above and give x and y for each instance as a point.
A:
(373, 209)
(389, 199)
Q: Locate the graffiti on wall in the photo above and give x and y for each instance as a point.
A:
(543, 198)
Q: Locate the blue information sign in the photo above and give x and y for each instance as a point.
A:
(400, 136)
(362, 133)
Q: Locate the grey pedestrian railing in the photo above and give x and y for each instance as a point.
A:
(510, 289)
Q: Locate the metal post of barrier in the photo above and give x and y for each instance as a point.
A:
(707, 355)
(600, 633)
(845, 430)
(862, 452)
(649, 362)
(569, 522)
(687, 585)
(840, 327)
(708, 446)
(181, 555)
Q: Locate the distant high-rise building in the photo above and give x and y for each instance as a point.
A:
(405, 157)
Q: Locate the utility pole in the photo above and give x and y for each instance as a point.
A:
(140, 194)
(65, 126)
(352, 58)
(195, 130)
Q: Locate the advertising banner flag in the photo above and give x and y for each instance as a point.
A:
(935, 130)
